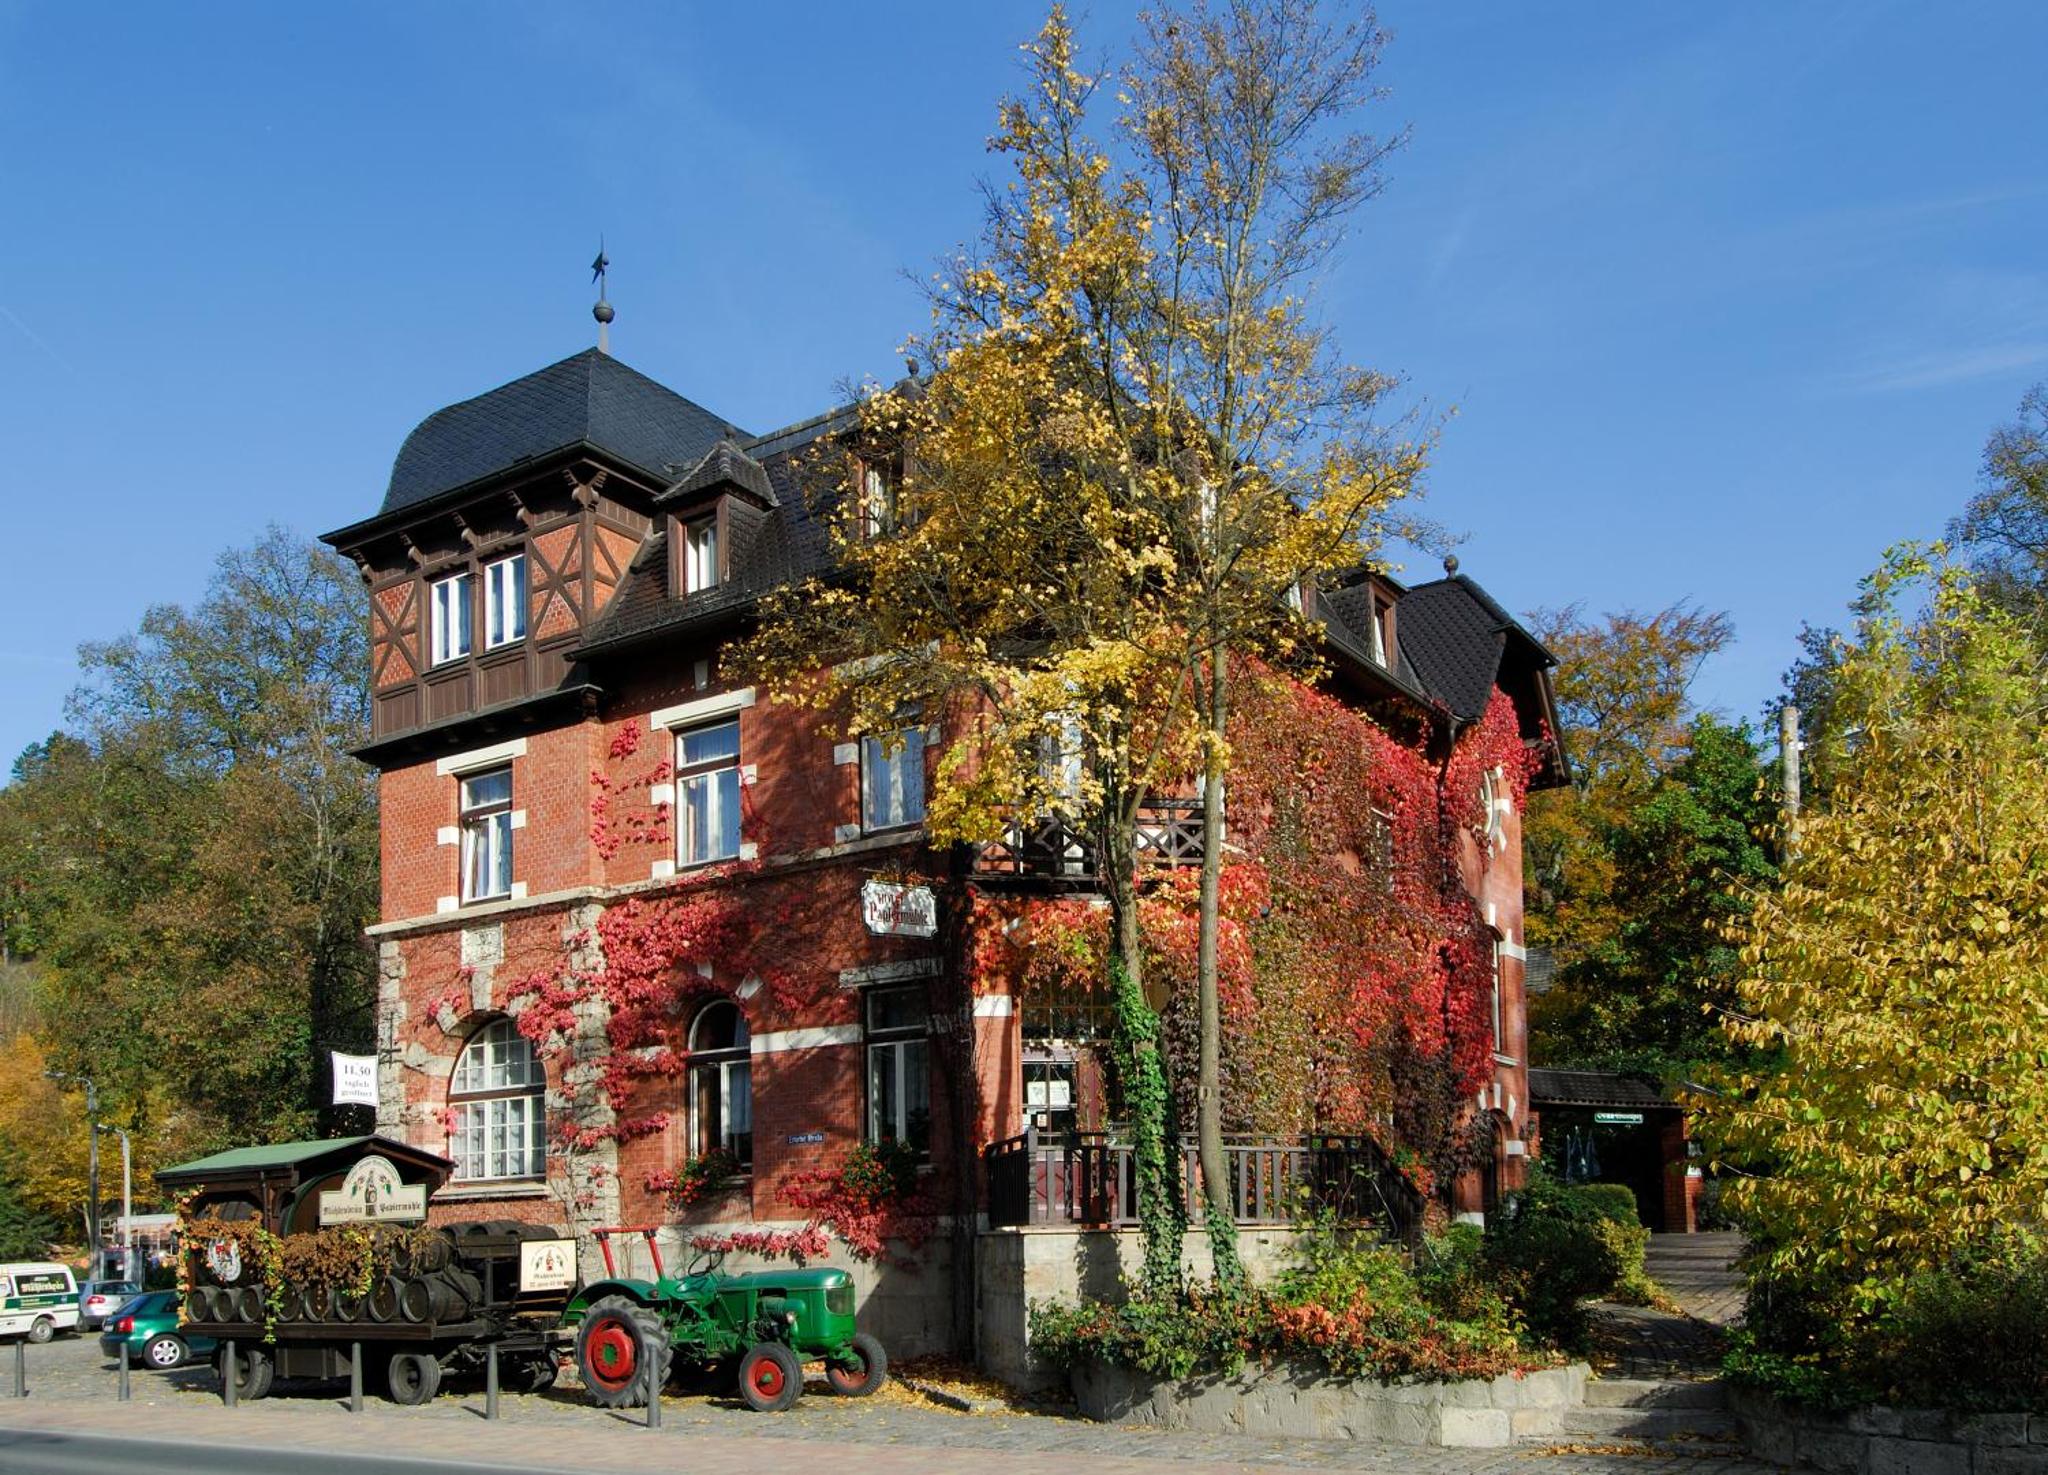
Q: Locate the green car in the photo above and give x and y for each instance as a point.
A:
(148, 1327)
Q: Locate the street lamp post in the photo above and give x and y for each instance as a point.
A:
(92, 1206)
(127, 1207)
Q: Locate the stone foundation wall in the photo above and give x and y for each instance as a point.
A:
(1019, 1266)
(1889, 1441)
(1301, 1401)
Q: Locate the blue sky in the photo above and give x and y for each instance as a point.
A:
(1725, 299)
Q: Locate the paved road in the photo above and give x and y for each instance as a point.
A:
(71, 1425)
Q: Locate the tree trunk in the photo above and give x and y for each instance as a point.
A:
(1216, 1196)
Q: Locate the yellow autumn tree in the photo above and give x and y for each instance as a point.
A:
(1133, 449)
(1897, 982)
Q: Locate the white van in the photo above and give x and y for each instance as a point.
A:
(37, 1300)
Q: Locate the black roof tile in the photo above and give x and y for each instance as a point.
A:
(588, 399)
(725, 464)
(1591, 1088)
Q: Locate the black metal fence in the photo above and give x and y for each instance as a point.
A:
(1091, 1179)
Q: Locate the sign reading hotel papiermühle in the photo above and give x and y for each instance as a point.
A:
(373, 1194)
(899, 911)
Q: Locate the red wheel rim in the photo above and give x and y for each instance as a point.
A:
(612, 1353)
(767, 1377)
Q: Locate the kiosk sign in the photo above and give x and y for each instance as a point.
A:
(547, 1265)
(373, 1194)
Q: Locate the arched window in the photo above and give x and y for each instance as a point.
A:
(498, 1109)
(722, 1083)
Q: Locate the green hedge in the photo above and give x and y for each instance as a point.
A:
(1552, 1246)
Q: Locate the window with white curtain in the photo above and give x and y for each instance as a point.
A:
(450, 619)
(487, 834)
(892, 780)
(708, 793)
(700, 555)
(899, 1060)
(505, 601)
(497, 1103)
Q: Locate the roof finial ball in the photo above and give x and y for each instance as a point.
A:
(1450, 563)
(603, 311)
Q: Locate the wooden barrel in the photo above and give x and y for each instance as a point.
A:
(220, 1303)
(320, 1303)
(291, 1306)
(430, 1253)
(415, 1301)
(348, 1304)
(248, 1303)
(383, 1300)
(199, 1304)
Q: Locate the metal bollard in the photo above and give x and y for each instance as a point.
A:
(123, 1395)
(355, 1377)
(653, 1382)
(491, 1382)
(227, 1374)
(21, 1369)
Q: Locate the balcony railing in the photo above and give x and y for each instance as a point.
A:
(1050, 849)
(1090, 1179)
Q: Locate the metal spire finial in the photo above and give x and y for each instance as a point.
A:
(603, 311)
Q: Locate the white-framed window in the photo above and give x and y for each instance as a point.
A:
(1499, 1011)
(1378, 632)
(878, 509)
(708, 793)
(487, 834)
(899, 1059)
(497, 1101)
(505, 601)
(892, 780)
(700, 554)
(451, 618)
(1492, 796)
(722, 1083)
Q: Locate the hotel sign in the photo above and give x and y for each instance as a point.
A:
(899, 911)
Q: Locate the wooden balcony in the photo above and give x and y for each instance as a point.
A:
(1090, 1180)
(1051, 852)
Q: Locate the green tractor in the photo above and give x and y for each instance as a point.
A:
(765, 1326)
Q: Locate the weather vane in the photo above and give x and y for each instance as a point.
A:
(603, 311)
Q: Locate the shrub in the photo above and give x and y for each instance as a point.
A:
(1972, 1335)
(1550, 1247)
(1349, 1302)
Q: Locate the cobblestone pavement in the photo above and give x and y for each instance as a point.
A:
(71, 1387)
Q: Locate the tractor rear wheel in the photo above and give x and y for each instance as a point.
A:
(618, 1347)
(867, 1369)
(770, 1378)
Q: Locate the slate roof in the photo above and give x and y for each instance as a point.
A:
(1454, 635)
(1347, 615)
(588, 399)
(1602, 1088)
(725, 464)
(789, 544)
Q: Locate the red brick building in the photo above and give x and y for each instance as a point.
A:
(554, 572)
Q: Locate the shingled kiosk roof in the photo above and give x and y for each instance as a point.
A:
(590, 399)
(1601, 1088)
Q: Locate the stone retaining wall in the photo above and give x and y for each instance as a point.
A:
(1301, 1400)
(1891, 1441)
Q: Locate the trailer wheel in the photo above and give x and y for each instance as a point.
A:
(413, 1377)
(253, 1371)
(770, 1378)
(618, 1346)
(867, 1370)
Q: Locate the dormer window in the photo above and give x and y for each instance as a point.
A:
(700, 555)
(1378, 622)
(451, 622)
(877, 501)
(505, 601)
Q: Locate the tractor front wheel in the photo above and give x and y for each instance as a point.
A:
(866, 1368)
(770, 1378)
(618, 1347)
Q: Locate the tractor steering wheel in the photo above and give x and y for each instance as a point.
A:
(704, 1262)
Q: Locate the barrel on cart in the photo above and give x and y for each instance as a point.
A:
(346, 1260)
